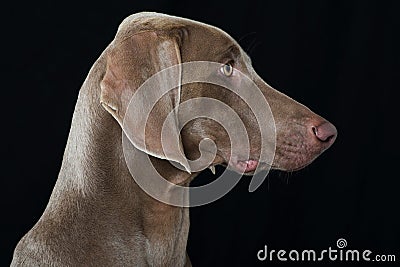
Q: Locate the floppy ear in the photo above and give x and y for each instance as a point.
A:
(129, 64)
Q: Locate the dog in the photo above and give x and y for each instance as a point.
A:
(97, 214)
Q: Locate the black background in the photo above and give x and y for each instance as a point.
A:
(340, 58)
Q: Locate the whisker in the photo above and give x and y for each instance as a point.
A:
(248, 48)
(245, 36)
(253, 47)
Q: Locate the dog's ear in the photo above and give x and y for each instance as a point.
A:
(131, 63)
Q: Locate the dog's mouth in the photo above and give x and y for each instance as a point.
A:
(241, 165)
(247, 166)
(244, 166)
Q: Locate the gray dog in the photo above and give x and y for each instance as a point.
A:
(97, 215)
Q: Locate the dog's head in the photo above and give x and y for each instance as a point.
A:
(147, 43)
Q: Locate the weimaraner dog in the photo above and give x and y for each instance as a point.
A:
(97, 215)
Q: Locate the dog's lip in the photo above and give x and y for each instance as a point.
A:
(244, 166)
(260, 165)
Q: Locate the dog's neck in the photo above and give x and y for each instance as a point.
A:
(95, 178)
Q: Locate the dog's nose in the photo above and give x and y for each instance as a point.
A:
(325, 132)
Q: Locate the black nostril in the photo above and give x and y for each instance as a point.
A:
(314, 129)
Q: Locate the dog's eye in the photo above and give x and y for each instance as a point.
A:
(227, 69)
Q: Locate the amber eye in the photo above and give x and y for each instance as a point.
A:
(227, 69)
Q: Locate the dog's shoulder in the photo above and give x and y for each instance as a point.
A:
(31, 252)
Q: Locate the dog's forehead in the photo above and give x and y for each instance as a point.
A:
(146, 21)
